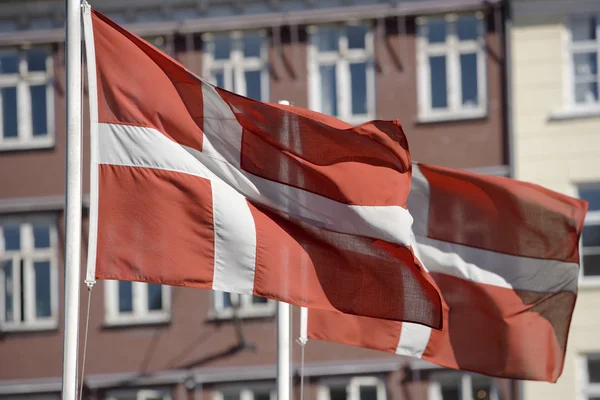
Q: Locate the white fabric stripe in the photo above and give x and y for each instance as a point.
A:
(221, 153)
(152, 149)
(235, 242)
(235, 234)
(498, 269)
(413, 339)
(418, 201)
(88, 33)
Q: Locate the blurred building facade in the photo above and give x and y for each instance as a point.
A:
(556, 128)
(438, 66)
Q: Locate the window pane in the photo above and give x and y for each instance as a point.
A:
(586, 93)
(253, 84)
(8, 290)
(450, 393)
(584, 28)
(12, 237)
(219, 77)
(9, 112)
(585, 65)
(125, 296)
(368, 393)
(591, 235)
(155, 300)
(36, 60)
(262, 396)
(358, 78)
(592, 196)
(328, 90)
(468, 76)
(41, 236)
(437, 66)
(467, 27)
(38, 110)
(328, 39)
(259, 300)
(594, 370)
(251, 43)
(356, 36)
(42, 288)
(337, 393)
(231, 396)
(591, 265)
(222, 47)
(436, 31)
(9, 63)
(227, 303)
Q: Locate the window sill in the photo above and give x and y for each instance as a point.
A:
(30, 145)
(123, 322)
(31, 327)
(590, 282)
(241, 314)
(575, 113)
(451, 117)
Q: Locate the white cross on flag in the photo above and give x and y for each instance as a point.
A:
(196, 186)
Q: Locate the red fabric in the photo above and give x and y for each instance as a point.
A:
(171, 240)
(492, 330)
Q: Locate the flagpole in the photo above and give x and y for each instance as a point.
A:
(284, 376)
(73, 201)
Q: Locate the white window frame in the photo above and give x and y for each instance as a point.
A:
(570, 105)
(29, 255)
(465, 385)
(352, 386)
(22, 81)
(342, 58)
(140, 314)
(452, 49)
(237, 64)
(140, 394)
(242, 307)
(246, 392)
(592, 217)
(587, 390)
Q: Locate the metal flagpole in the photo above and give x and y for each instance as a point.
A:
(284, 376)
(73, 206)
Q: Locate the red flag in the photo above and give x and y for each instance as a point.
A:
(505, 257)
(200, 187)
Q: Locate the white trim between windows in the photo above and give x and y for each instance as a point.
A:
(23, 268)
(452, 49)
(140, 394)
(245, 307)
(23, 80)
(352, 386)
(342, 59)
(140, 315)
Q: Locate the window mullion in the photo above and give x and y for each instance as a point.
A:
(16, 289)
(140, 298)
(453, 72)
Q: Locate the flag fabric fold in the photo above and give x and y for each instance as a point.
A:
(505, 257)
(197, 186)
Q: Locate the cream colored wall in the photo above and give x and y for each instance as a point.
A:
(556, 154)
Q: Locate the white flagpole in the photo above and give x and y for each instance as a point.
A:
(73, 206)
(284, 376)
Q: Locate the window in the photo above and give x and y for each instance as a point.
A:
(28, 274)
(137, 303)
(226, 305)
(453, 386)
(237, 62)
(590, 376)
(258, 392)
(584, 53)
(26, 98)
(358, 388)
(590, 238)
(451, 67)
(341, 71)
(142, 394)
